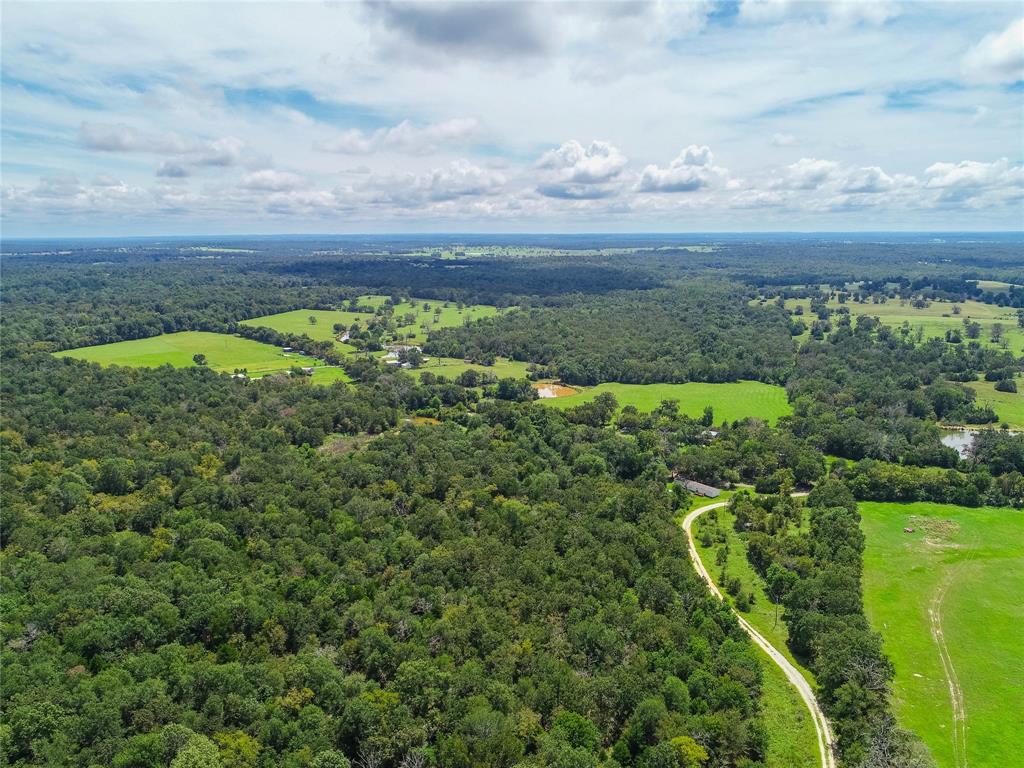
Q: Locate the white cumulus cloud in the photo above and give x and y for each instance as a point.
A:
(575, 172)
(691, 170)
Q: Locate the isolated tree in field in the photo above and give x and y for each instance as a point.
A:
(312, 319)
(997, 332)
(199, 358)
(973, 330)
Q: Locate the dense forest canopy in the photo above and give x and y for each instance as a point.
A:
(420, 569)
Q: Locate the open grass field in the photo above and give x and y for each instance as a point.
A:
(453, 366)
(1008, 405)
(730, 401)
(223, 353)
(297, 321)
(329, 374)
(424, 319)
(933, 320)
(947, 601)
(791, 738)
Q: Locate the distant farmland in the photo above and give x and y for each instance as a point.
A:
(933, 320)
(729, 401)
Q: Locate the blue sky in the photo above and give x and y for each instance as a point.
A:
(747, 115)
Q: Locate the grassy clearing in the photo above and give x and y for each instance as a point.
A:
(223, 353)
(426, 319)
(730, 401)
(452, 367)
(933, 320)
(977, 557)
(329, 375)
(297, 321)
(415, 319)
(792, 742)
(1009, 405)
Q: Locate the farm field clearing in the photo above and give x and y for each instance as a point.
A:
(946, 600)
(223, 353)
(414, 319)
(297, 322)
(730, 401)
(1008, 405)
(424, 318)
(933, 320)
(451, 367)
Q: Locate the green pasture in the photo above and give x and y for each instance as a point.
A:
(792, 742)
(223, 353)
(329, 374)
(933, 320)
(1008, 405)
(730, 401)
(451, 367)
(426, 320)
(414, 319)
(297, 322)
(974, 560)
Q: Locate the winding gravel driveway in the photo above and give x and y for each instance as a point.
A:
(799, 682)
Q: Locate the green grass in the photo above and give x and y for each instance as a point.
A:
(979, 555)
(1008, 405)
(297, 322)
(329, 375)
(223, 353)
(933, 320)
(730, 401)
(452, 367)
(792, 741)
(424, 320)
(764, 615)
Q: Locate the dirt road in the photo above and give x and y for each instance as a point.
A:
(798, 681)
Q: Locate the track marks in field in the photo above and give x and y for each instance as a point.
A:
(956, 694)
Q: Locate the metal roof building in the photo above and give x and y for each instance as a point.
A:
(699, 488)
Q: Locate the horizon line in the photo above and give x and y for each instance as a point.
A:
(539, 233)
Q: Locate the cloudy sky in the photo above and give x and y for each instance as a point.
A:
(201, 118)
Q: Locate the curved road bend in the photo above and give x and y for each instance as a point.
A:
(799, 682)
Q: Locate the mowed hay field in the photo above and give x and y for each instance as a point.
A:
(730, 401)
(1008, 405)
(934, 320)
(950, 592)
(223, 353)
